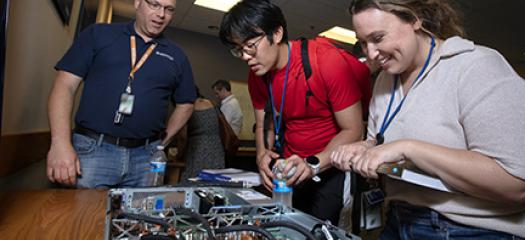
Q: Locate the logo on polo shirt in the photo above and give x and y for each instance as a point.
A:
(164, 55)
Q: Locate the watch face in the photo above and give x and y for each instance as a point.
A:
(312, 160)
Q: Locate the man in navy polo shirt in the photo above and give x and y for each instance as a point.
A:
(130, 71)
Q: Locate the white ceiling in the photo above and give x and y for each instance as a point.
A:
(497, 24)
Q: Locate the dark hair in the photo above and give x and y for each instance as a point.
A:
(437, 17)
(252, 18)
(222, 84)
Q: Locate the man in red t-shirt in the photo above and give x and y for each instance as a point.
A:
(318, 115)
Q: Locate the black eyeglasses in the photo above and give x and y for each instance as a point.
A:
(155, 6)
(248, 48)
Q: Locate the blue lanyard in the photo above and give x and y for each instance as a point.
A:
(380, 137)
(277, 122)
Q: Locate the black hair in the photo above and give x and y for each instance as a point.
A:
(222, 84)
(252, 18)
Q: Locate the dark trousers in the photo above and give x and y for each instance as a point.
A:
(323, 200)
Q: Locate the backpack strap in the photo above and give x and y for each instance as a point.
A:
(307, 67)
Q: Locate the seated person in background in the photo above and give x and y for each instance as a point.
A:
(204, 149)
(255, 30)
(229, 105)
(449, 108)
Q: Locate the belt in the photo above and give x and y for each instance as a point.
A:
(121, 142)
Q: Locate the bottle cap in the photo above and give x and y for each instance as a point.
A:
(160, 147)
(280, 186)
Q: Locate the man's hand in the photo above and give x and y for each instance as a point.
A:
(62, 161)
(263, 163)
(63, 164)
(302, 170)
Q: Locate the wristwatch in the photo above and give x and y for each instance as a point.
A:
(314, 164)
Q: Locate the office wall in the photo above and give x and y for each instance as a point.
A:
(210, 59)
(36, 37)
(4, 5)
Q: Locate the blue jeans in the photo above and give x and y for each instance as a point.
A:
(105, 165)
(407, 221)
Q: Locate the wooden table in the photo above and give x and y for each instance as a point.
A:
(52, 214)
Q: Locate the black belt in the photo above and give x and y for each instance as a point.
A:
(121, 142)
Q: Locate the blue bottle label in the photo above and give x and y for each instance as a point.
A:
(157, 166)
(159, 204)
(280, 186)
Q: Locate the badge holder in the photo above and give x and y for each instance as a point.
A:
(125, 106)
(371, 208)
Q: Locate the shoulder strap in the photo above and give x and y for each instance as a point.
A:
(307, 67)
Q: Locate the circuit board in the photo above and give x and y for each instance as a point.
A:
(195, 213)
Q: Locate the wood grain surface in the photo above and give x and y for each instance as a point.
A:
(52, 214)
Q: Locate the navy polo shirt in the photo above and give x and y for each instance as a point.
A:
(101, 56)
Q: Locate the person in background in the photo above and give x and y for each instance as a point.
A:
(229, 104)
(449, 108)
(204, 148)
(256, 32)
(130, 72)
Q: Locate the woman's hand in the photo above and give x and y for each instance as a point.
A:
(342, 156)
(367, 162)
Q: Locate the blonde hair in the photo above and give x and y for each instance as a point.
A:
(437, 17)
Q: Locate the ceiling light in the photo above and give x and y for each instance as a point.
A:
(221, 5)
(340, 34)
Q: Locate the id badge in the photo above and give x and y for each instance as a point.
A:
(126, 104)
(371, 208)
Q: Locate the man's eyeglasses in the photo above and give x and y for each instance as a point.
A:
(248, 48)
(155, 6)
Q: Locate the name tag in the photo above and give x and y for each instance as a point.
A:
(371, 206)
(126, 103)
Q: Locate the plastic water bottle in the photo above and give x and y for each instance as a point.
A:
(157, 169)
(282, 193)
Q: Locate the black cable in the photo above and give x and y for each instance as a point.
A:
(145, 218)
(251, 228)
(214, 184)
(158, 237)
(290, 225)
(198, 217)
(317, 230)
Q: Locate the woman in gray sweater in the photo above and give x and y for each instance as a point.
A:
(448, 108)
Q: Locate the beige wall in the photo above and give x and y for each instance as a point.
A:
(240, 90)
(209, 58)
(36, 38)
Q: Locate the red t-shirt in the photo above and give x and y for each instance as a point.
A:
(308, 128)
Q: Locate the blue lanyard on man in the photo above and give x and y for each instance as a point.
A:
(380, 137)
(277, 121)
